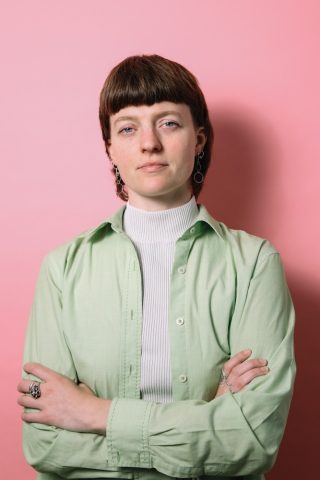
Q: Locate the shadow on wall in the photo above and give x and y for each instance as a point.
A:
(299, 452)
(243, 191)
(241, 185)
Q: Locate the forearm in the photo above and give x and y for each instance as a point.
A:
(48, 448)
(64, 453)
(191, 438)
(59, 450)
(234, 434)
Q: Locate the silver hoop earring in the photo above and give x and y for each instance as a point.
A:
(198, 175)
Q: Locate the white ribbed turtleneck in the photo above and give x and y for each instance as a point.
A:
(154, 235)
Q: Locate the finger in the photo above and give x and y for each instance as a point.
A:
(248, 365)
(247, 378)
(32, 417)
(27, 401)
(251, 374)
(85, 388)
(237, 359)
(39, 370)
(24, 385)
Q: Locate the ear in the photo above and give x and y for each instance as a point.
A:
(109, 149)
(200, 139)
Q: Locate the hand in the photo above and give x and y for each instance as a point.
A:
(62, 403)
(239, 372)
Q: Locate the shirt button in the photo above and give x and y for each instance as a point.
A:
(192, 230)
(183, 378)
(179, 321)
(182, 269)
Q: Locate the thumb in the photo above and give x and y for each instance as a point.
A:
(85, 388)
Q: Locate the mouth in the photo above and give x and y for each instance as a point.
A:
(152, 166)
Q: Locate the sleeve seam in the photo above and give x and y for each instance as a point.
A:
(145, 437)
(109, 432)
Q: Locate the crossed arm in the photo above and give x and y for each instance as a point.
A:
(74, 407)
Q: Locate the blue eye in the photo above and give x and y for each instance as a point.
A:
(126, 130)
(170, 123)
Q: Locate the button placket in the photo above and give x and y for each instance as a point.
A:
(177, 319)
(132, 324)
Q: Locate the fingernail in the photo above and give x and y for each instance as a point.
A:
(265, 369)
(247, 351)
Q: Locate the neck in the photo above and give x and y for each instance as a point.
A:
(165, 202)
(159, 226)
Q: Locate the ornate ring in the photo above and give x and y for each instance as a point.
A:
(34, 390)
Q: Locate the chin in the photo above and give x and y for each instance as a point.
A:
(154, 191)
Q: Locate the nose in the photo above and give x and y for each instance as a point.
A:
(150, 140)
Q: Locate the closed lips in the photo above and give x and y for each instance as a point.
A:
(151, 164)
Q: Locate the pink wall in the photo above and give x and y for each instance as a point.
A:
(258, 64)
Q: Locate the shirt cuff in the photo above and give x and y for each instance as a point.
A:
(127, 433)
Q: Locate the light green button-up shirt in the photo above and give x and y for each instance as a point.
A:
(229, 288)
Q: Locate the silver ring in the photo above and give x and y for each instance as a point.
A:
(223, 377)
(34, 390)
(224, 380)
(229, 385)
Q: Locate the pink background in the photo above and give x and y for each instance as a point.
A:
(258, 65)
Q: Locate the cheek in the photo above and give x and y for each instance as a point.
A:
(119, 154)
(127, 148)
(184, 148)
(189, 159)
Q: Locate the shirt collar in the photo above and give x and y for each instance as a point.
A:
(115, 221)
(204, 216)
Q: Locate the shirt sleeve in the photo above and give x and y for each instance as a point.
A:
(235, 434)
(49, 449)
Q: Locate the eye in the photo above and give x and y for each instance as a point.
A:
(126, 130)
(170, 124)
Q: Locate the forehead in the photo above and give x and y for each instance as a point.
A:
(157, 109)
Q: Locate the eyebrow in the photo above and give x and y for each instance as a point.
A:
(158, 115)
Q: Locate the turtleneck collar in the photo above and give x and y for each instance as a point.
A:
(160, 226)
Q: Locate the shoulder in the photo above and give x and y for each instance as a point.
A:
(63, 256)
(241, 245)
(247, 242)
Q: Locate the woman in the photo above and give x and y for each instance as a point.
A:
(139, 342)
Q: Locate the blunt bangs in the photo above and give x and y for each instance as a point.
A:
(145, 80)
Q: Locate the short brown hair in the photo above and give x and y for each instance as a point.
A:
(148, 79)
